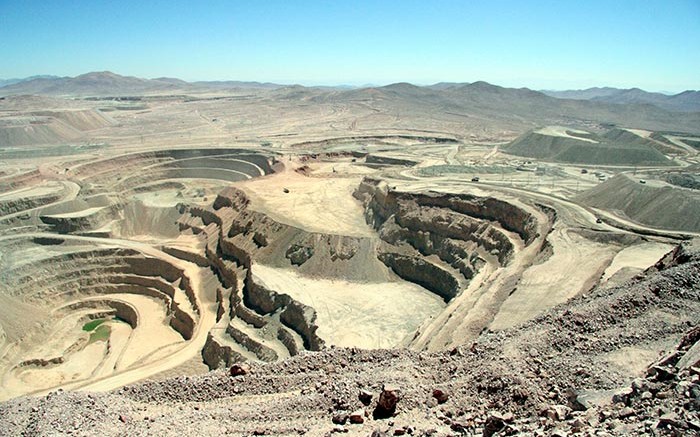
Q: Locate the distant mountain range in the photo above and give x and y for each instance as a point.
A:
(5, 82)
(488, 104)
(106, 83)
(475, 103)
(687, 101)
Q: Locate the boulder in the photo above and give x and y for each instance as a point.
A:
(357, 416)
(365, 397)
(386, 405)
(440, 396)
(239, 369)
(556, 412)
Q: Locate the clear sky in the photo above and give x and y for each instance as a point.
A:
(561, 44)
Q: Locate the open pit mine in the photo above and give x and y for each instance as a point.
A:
(306, 261)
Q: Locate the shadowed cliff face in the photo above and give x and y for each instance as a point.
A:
(237, 237)
(440, 241)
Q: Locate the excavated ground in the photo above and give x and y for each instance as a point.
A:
(496, 294)
(196, 259)
(552, 376)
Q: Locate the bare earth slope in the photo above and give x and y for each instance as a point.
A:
(544, 376)
(615, 147)
(660, 205)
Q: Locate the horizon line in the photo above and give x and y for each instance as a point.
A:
(314, 84)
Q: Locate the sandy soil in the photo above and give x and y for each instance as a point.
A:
(315, 204)
(366, 315)
(638, 257)
(573, 268)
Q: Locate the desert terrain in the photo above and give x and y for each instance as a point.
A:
(508, 261)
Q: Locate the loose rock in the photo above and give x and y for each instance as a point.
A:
(440, 395)
(239, 369)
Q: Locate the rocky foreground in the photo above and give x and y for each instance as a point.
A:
(550, 376)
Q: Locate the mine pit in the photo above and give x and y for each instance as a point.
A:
(280, 262)
(143, 253)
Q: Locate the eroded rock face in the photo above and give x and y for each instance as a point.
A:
(298, 254)
(440, 241)
(428, 275)
(217, 355)
(236, 237)
(251, 235)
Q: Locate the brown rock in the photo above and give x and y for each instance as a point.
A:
(622, 396)
(577, 401)
(660, 373)
(239, 369)
(386, 405)
(663, 394)
(494, 424)
(340, 419)
(671, 420)
(460, 427)
(440, 395)
(625, 412)
(556, 412)
(357, 416)
(365, 397)
(577, 425)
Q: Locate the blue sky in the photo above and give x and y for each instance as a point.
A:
(562, 44)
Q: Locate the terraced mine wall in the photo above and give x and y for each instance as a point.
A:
(90, 276)
(440, 241)
(386, 160)
(235, 238)
(125, 312)
(227, 164)
(378, 138)
(106, 188)
(293, 313)
(16, 181)
(80, 214)
(50, 287)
